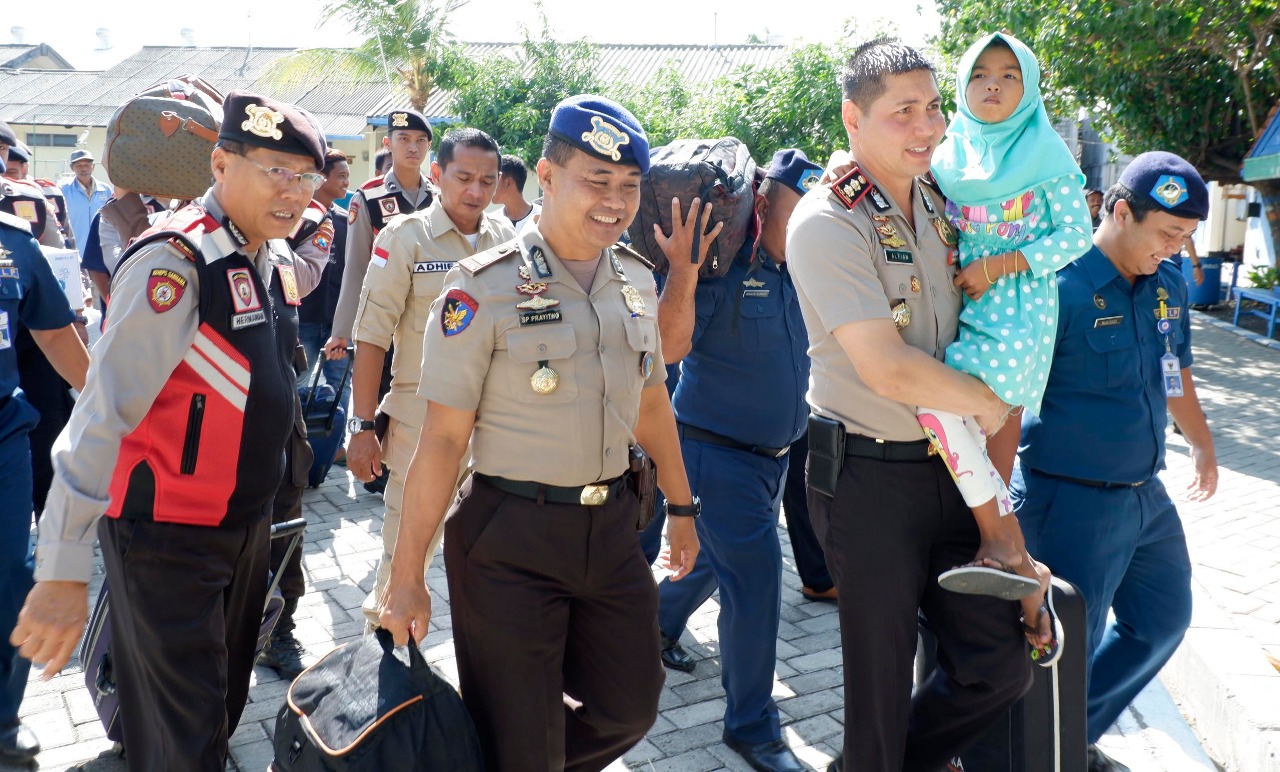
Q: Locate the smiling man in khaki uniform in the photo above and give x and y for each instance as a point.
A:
(545, 356)
(410, 259)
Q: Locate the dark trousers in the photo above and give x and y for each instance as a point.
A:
(740, 555)
(186, 609)
(555, 625)
(16, 555)
(890, 530)
(288, 506)
(811, 564)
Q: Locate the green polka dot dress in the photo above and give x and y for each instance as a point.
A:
(1006, 336)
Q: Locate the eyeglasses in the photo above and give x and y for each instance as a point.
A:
(283, 177)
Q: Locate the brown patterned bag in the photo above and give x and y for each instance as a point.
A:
(160, 141)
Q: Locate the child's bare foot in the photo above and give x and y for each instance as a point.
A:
(1039, 622)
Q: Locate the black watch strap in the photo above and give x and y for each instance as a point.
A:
(683, 510)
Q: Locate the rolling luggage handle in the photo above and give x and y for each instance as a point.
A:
(291, 530)
(342, 385)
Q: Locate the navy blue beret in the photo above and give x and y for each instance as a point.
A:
(602, 128)
(1168, 180)
(256, 120)
(794, 169)
(410, 120)
(19, 152)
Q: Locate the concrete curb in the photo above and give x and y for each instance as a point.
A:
(1261, 340)
(1222, 678)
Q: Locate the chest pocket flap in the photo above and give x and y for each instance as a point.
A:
(543, 342)
(10, 288)
(642, 334)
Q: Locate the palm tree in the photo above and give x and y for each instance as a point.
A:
(404, 38)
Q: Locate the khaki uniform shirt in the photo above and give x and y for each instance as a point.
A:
(360, 247)
(483, 352)
(845, 272)
(131, 363)
(413, 254)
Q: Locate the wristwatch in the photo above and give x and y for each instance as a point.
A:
(683, 510)
(356, 425)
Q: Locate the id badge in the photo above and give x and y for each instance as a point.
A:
(5, 340)
(1171, 374)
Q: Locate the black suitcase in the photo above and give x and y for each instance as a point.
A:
(1045, 731)
(325, 417)
(95, 649)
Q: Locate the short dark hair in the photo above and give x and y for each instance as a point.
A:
(1139, 205)
(332, 157)
(862, 76)
(515, 170)
(1091, 191)
(231, 146)
(557, 151)
(381, 159)
(465, 138)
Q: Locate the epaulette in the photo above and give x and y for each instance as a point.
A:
(192, 221)
(372, 183)
(627, 250)
(15, 222)
(851, 188)
(478, 262)
(929, 181)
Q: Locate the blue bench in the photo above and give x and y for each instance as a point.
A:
(1265, 297)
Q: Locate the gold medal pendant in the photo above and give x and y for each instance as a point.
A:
(901, 315)
(635, 303)
(544, 380)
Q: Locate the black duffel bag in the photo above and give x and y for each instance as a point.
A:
(720, 172)
(362, 708)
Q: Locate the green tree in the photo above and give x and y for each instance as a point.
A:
(1195, 77)
(408, 46)
(511, 97)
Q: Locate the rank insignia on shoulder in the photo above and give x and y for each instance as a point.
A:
(478, 262)
(164, 289)
(182, 246)
(878, 201)
(457, 312)
(850, 188)
(630, 251)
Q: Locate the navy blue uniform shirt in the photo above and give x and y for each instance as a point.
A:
(746, 375)
(1104, 411)
(28, 294)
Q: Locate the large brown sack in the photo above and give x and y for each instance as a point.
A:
(716, 171)
(160, 141)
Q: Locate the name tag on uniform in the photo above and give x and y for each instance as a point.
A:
(436, 266)
(900, 256)
(1170, 312)
(755, 293)
(539, 317)
(1108, 321)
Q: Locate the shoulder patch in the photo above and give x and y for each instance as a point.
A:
(15, 222)
(851, 188)
(625, 249)
(165, 289)
(478, 262)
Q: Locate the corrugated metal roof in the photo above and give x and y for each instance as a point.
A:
(343, 106)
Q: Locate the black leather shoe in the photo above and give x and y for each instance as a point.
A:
(18, 744)
(773, 756)
(283, 655)
(675, 657)
(1101, 762)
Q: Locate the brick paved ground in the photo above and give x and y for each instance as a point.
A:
(1235, 542)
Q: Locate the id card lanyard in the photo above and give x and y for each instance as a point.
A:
(1170, 371)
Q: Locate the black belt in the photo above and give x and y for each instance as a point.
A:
(702, 435)
(887, 450)
(1089, 483)
(592, 495)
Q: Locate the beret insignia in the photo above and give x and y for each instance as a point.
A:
(262, 122)
(605, 138)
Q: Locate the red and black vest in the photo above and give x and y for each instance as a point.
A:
(384, 203)
(210, 450)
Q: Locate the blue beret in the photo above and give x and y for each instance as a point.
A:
(262, 122)
(1168, 180)
(794, 169)
(408, 120)
(602, 128)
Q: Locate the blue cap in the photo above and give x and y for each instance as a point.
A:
(602, 128)
(794, 169)
(1168, 180)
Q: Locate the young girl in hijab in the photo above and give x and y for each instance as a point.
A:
(1015, 196)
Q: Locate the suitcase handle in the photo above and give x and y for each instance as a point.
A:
(342, 385)
(291, 530)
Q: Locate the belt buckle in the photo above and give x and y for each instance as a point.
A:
(593, 495)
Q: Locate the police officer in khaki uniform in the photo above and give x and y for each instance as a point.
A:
(404, 189)
(547, 349)
(178, 438)
(411, 257)
(871, 257)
